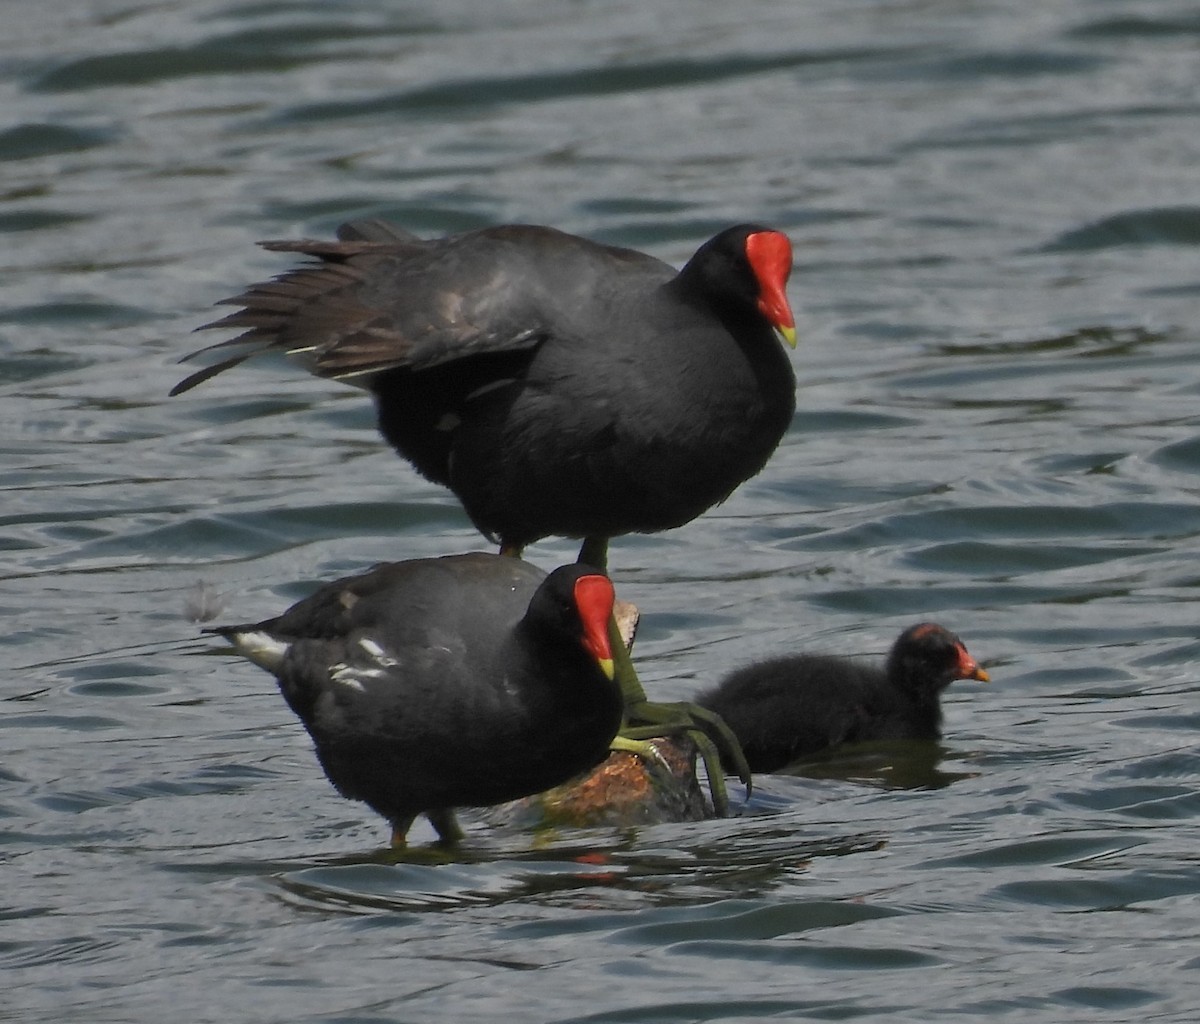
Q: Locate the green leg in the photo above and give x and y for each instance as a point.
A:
(441, 818)
(446, 825)
(645, 719)
(645, 749)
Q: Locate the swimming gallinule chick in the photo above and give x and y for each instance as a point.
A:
(447, 682)
(556, 385)
(789, 707)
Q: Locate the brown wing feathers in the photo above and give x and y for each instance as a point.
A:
(346, 337)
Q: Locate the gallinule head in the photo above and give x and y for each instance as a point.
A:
(790, 707)
(557, 386)
(447, 682)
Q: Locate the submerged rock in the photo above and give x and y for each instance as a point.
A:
(624, 789)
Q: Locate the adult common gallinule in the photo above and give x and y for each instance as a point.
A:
(555, 385)
(789, 707)
(446, 682)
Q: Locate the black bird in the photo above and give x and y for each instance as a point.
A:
(557, 386)
(438, 683)
(789, 707)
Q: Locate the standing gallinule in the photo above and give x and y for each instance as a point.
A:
(555, 385)
(789, 707)
(447, 682)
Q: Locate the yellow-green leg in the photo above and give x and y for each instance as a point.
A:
(442, 819)
(645, 718)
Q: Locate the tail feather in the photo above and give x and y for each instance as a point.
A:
(254, 644)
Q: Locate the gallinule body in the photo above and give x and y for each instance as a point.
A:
(789, 707)
(557, 386)
(446, 682)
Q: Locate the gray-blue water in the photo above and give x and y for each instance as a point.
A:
(996, 214)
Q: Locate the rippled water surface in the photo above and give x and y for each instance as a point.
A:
(996, 214)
